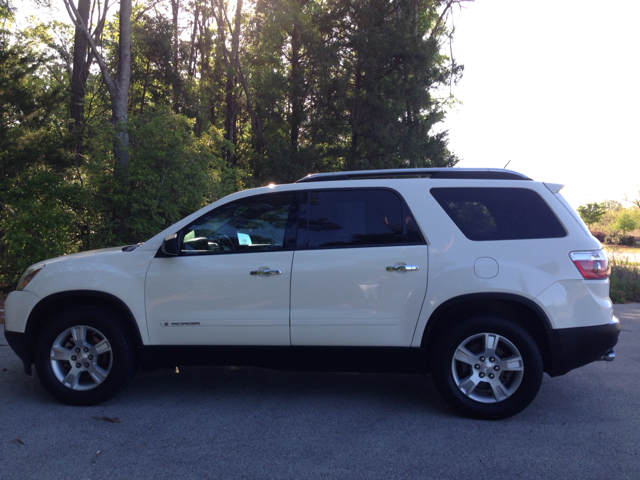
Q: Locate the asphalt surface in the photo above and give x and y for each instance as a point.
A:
(255, 423)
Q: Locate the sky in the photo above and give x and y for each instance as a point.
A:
(550, 87)
(553, 88)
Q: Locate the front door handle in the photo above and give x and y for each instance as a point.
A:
(265, 271)
(403, 268)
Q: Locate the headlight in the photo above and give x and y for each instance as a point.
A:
(28, 275)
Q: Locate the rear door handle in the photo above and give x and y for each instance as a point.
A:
(403, 268)
(265, 271)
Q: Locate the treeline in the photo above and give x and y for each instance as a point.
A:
(610, 222)
(115, 128)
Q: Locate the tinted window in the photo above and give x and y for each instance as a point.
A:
(247, 225)
(362, 217)
(499, 213)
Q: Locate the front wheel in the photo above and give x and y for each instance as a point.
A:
(84, 356)
(487, 368)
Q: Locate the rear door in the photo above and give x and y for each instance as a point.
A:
(359, 271)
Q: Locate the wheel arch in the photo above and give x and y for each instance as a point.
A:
(523, 311)
(50, 306)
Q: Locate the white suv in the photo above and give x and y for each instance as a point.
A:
(484, 278)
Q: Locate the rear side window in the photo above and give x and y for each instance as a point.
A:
(499, 213)
(355, 217)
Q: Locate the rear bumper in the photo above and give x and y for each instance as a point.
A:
(571, 348)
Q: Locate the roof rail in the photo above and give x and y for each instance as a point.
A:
(461, 173)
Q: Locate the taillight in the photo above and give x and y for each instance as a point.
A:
(592, 265)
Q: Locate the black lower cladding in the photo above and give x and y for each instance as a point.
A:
(574, 347)
(327, 359)
(18, 343)
(570, 348)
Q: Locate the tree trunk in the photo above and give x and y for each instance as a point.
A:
(175, 84)
(353, 159)
(230, 100)
(193, 42)
(297, 79)
(256, 125)
(119, 93)
(79, 73)
(145, 84)
(118, 89)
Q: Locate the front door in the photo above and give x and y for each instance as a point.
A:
(230, 283)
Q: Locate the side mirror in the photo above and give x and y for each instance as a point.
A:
(170, 245)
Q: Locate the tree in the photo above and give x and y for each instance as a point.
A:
(592, 212)
(625, 222)
(275, 88)
(40, 201)
(344, 84)
(118, 89)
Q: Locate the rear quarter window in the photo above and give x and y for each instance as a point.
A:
(484, 214)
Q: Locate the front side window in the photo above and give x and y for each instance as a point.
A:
(355, 217)
(248, 225)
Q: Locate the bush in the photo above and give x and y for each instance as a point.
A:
(46, 223)
(172, 173)
(625, 282)
(601, 236)
(616, 238)
(628, 240)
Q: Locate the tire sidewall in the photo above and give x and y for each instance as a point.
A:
(442, 356)
(122, 350)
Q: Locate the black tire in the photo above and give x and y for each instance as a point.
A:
(487, 367)
(84, 355)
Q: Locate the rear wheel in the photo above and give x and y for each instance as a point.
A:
(84, 356)
(487, 367)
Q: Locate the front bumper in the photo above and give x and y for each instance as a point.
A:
(18, 343)
(571, 348)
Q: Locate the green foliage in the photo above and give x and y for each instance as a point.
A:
(45, 222)
(624, 282)
(337, 84)
(152, 70)
(172, 173)
(614, 225)
(626, 222)
(39, 197)
(592, 212)
(617, 238)
(347, 85)
(6, 10)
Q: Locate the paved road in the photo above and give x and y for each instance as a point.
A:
(253, 423)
